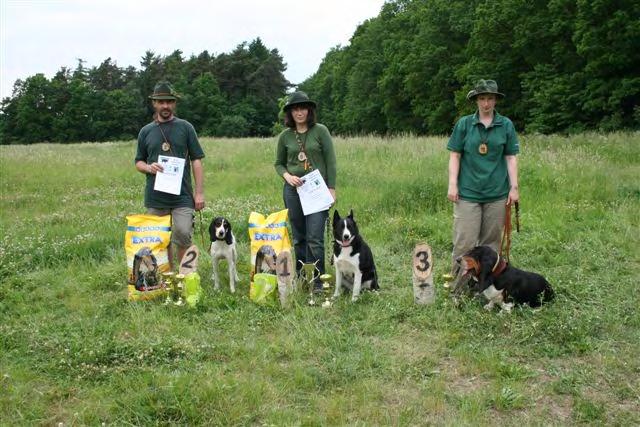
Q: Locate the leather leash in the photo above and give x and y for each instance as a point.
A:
(204, 247)
(505, 244)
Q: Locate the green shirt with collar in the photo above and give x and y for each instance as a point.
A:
(483, 178)
(184, 144)
(318, 146)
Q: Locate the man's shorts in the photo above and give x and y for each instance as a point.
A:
(182, 220)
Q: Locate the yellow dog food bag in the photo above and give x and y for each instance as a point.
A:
(266, 231)
(146, 243)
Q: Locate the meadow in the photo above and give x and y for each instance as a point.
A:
(74, 351)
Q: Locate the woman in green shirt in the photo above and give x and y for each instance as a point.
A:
(304, 146)
(483, 173)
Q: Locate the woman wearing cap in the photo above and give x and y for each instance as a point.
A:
(483, 172)
(304, 146)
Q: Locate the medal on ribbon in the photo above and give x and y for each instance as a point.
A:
(302, 156)
(483, 148)
(166, 146)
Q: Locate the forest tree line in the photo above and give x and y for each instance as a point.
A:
(233, 94)
(564, 65)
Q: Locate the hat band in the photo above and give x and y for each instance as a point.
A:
(163, 94)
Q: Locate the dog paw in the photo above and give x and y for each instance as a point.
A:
(506, 308)
(488, 307)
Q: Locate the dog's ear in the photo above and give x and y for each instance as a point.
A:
(212, 231)
(350, 214)
(487, 259)
(228, 237)
(336, 216)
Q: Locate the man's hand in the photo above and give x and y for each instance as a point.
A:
(199, 200)
(154, 168)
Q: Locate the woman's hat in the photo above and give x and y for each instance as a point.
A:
(298, 98)
(484, 86)
(164, 90)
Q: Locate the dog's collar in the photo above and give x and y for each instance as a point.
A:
(500, 266)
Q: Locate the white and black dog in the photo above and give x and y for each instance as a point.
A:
(352, 258)
(501, 283)
(223, 246)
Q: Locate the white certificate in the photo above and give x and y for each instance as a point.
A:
(170, 179)
(314, 193)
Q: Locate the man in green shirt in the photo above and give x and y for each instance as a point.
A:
(483, 173)
(170, 136)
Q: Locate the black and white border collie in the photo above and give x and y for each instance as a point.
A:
(223, 246)
(352, 258)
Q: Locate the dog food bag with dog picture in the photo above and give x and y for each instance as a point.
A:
(146, 243)
(269, 236)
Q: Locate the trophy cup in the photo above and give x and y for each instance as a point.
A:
(167, 279)
(326, 280)
(309, 275)
(179, 288)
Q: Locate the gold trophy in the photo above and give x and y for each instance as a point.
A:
(309, 274)
(167, 279)
(179, 289)
(326, 280)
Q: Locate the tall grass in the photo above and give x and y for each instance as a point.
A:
(74, 351)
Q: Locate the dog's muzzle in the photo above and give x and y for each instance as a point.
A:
(346, 241)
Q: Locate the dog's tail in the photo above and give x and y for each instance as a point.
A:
(548, 294)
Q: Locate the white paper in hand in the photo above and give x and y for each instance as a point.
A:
(314, 193)
(170, 180)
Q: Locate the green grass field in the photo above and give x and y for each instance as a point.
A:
(74, 351)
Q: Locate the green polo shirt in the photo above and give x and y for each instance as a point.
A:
(184, 144)
(319, 148)
(483, 178)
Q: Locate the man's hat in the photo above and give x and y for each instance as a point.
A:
(164, 90)
(298, 98)
(484, 86)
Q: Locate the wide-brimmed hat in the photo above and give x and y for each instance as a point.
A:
(297, 98)
(164, 90)
(484, 86)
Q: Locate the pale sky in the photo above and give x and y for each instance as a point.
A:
(41, 36)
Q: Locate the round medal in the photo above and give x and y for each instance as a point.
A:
(302, 156)
(166, 146)
(483, 148)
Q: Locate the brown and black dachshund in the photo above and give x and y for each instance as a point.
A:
(501, 283)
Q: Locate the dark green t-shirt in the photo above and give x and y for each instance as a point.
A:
(318, 147)
(483, 178)
(184, 144)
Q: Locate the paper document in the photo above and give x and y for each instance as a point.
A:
(314, 193)
(170, 180)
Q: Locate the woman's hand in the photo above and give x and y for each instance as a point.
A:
(514, 195)
(452, 193)
(292, 179)
(333, 194)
